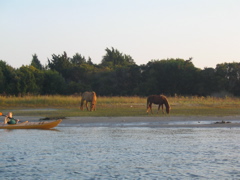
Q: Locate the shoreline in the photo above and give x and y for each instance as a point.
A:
(166, 121)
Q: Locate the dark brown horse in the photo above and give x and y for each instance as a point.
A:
(89, 97)
(158, 99)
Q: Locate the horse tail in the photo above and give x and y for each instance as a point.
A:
(149, 104)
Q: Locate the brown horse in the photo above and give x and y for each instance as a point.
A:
(160, 100)
(89, 97)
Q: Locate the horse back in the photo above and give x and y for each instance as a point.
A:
(155, 99)
(89, 96)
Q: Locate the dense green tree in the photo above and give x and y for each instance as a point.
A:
(104, 83)
(114, 58)
(134, 80)
(53, 83)
(39, 78)
(228, 76)
(117, 74)
(27, 83)
(122, 81)
(36, 63)
(81, 73)
(77, 88)
(207, 83)
(2, 81)
(89, 61)
(127, 79)
(78, 59)
(8, 79)
(60, 63)
(169, 77)
(2, 76)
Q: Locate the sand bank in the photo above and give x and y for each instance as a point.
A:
(166, 121)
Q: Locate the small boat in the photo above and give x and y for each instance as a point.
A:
(31, 125)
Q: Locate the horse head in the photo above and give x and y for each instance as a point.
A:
(167, 105)
(168, 109)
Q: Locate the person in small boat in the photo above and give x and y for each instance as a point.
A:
(9, 119)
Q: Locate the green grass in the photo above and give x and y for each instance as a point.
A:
(68, 106)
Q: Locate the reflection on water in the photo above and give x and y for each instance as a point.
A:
(120, 153)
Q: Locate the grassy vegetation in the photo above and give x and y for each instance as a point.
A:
(68, 106)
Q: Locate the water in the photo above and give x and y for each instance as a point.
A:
(120, 153)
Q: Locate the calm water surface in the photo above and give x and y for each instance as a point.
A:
(120, 153)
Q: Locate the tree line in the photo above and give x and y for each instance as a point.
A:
(118, 75)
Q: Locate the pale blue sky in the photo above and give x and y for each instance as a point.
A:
(207, 30)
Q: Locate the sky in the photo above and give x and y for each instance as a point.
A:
(206, 30)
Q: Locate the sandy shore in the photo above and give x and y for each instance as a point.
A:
(167, 121)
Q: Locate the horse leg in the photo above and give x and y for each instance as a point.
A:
(81, 105)
(91, 106)
(151, 107)
(148, 107)
(87, 105)
(158, 107)
(162, 109)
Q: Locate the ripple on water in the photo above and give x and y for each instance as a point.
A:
(120, 153)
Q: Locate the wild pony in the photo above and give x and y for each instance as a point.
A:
(89, 97)
(158, 99)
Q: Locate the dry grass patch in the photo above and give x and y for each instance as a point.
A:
(67, 106)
